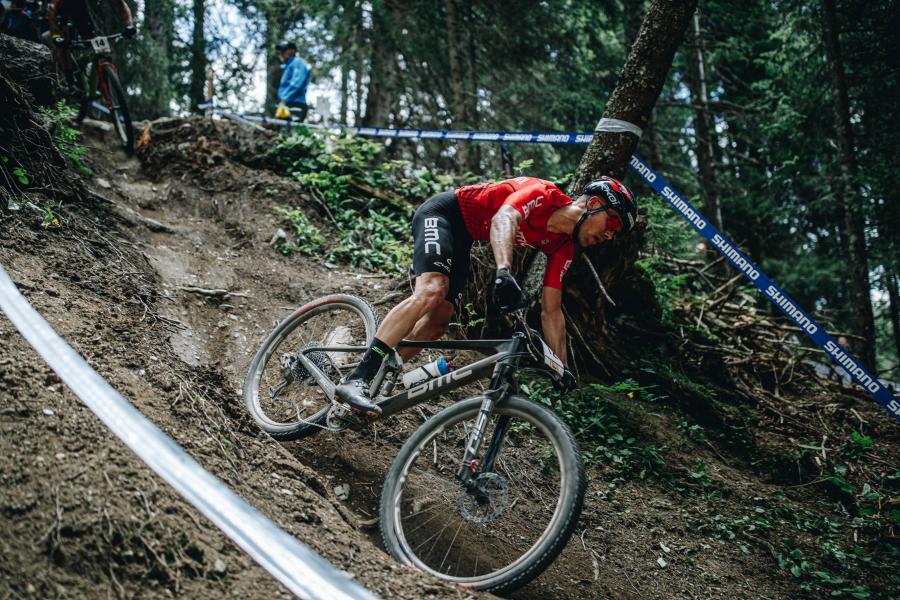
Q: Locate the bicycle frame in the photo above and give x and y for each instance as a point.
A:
(507, 353)
(100, 56)
(505, 350)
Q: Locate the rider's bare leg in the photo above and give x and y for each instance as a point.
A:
(432, 326)
(428, 296)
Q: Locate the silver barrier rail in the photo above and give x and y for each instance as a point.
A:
(301, 570)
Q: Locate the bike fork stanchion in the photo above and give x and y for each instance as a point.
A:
(469, 465)
(496, 442)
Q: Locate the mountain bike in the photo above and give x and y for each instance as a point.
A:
(97, 80)
(486, 492)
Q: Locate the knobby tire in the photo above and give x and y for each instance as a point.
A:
(119, 104)
(552, 540)
(271, 350)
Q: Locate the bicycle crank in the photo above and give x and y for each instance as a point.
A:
(340, 418)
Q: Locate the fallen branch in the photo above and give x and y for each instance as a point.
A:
(212, 293)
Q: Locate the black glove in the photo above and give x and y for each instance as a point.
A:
(129, 31)
(507, 291)
(567, 382)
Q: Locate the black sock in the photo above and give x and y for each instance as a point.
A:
(371, 361)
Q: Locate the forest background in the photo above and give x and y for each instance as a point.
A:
(779, 119)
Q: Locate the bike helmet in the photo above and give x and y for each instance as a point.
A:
(286, 45)
(617, 196)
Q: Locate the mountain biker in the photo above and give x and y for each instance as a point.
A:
(523, 211)
(294, 81)
(77, 12)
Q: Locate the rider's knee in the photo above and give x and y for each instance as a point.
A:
(432, 294)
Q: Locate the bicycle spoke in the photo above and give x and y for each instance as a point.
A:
(288, 393)
(503, 516)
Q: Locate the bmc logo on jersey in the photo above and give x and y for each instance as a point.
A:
(532, 204)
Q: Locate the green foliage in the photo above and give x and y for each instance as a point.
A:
(605, 432)
(370, 206)
(668, 235)
(308, 239)
(66, 137)
(21, 175)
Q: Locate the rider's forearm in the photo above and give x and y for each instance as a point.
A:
(126, 13)
(504, 226)
(51, 18)
(553, 324)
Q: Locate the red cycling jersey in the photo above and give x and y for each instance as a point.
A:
(536, 200)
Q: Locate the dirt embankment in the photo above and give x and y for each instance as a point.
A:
(129, 278)
(82, 517)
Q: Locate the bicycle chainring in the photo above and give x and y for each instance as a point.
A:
(339, 418)
(486, 499)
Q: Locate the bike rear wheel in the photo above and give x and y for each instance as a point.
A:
(279, 393)
(118, 109)
(503, 532)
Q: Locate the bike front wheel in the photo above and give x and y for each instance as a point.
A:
(118, 110)
(504, 528)
(281, 395)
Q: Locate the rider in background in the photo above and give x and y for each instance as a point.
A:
(294, 81)
(16, 21)
(62, 13)
(523, 211)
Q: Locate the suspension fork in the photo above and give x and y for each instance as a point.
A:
(499, 389)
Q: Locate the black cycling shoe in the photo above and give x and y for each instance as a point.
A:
(355, 393)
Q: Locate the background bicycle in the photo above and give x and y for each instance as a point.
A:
(99, 93)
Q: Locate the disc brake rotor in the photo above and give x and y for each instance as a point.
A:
(487, 500)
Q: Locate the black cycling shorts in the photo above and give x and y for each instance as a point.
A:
(441, 242)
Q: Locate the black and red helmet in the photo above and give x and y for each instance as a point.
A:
(617, 196)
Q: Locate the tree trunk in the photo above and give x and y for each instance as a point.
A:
(273, 68)
(198, 57)
(638, 88)
(382, 68)
(471, 88)
(451, 22)
(157, 35)
(854, 220)
(632, 100)
(893, 282)
(345, 90)
(703, 129)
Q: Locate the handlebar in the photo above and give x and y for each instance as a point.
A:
(537, 347)
(87, 43)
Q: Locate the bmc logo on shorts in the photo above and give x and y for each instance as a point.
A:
(431, 235)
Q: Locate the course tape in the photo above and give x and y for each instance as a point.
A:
(301, 570)
(769, 288)
(523, 137)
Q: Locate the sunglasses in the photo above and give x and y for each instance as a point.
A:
(613, 220)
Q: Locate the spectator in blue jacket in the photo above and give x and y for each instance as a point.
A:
(292, 90)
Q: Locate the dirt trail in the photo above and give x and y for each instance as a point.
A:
(96, 516)
(81, 516)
